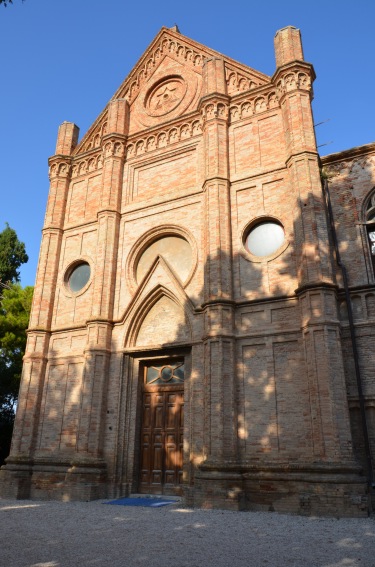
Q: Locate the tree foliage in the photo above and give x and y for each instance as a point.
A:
(15, 305)
(12, 255)
(6, 2)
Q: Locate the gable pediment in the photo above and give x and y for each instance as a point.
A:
(167, 83)
(191, 55)
(171, 90)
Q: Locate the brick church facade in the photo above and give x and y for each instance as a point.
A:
(203, 316)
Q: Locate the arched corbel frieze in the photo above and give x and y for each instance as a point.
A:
(59, 167)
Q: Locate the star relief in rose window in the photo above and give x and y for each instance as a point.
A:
(166, 97)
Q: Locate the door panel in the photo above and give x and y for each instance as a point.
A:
(161, 440)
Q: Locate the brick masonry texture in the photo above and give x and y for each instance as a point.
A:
(193, 151)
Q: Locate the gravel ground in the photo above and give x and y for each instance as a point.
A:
(56, 534)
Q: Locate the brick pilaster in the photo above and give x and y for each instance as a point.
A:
(313, 253)
(97, 353)
(113, 147)
(293, 80)
(35, 359)
(219, 335)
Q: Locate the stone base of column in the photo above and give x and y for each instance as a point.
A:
(54, 479)
(321, 489)
(15, 479)
(216, 489)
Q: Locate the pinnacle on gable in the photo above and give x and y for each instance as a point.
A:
(67, 138)
(288, 46)
(175, 28)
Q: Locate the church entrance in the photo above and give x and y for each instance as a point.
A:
(162, 428)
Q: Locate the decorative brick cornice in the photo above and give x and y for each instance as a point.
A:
(255, 104)
(163, 137)
(164, 45)
(93, 139)
(297, 75)
(59, 166)
(114, 146)
(263, 99)
(238, 81)
(109, 145)
(92, 162)
(214, 106)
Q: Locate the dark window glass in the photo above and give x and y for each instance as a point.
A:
(165, 374)
(79, 276)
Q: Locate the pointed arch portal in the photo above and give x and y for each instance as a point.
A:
(162, 427)
(160, 325)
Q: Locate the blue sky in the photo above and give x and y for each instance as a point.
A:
(64, 59)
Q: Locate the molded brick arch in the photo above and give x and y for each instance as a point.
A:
(161, 319)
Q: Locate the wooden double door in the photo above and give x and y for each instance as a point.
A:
(162, 429)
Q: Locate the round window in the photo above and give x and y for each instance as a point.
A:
(265, 238)
(79, 276)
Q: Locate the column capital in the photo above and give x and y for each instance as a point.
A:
(214, 106)
(59, 166)
(296, 75)
(114, 145)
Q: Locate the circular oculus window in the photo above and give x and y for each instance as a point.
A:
(79, 276)
(265, 238)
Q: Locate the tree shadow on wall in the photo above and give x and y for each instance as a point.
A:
(272, 400)
(52, 431)
(258, 312)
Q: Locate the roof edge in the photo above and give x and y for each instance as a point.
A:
(350, 153)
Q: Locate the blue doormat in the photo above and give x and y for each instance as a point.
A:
(150, 502)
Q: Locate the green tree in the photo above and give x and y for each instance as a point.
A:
(12, 255)
(15, 305)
